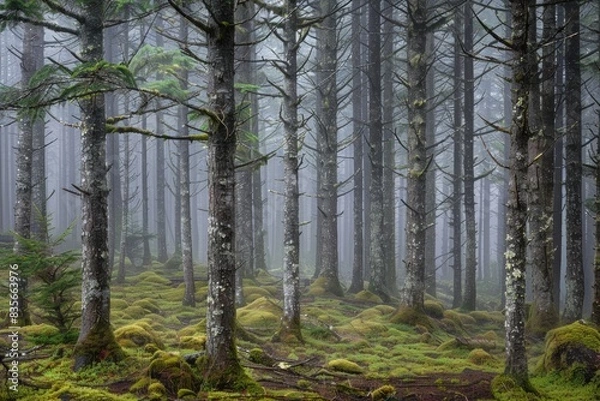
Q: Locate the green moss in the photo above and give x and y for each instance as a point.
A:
(368, 296)
(118, 304)
(157, 391)
(173, 372)
(505, 388)
(261, 313)
(411, 317)
(383, 393)
(174, 263)
(259, 356)
(434, 309)
(184, 392)
(459, 318)
(571, 350)
(317, 287)
(479, 357)
(39, 330)
(99, 346)
(76, 392)
(344, 365)
(226, 376)
(134, 312)
(140, 334)
(487, 317)
(150, 277)
(149, 305)
(193, 342)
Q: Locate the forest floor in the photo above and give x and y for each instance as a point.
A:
(350, 350)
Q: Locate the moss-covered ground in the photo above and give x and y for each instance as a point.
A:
(355, 348)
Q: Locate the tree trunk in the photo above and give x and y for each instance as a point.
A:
(377, 282)
(457, 165)
(96, 341)
(544, 315)
(574, 274)
(290, 325)
(516, 243)
(430, 199)
(161, 225)
(414, 290)
(470, 294)
(125, 179)
(147, 256)
(357, 284)
(326, 113)
(223, 367)
(596, 300)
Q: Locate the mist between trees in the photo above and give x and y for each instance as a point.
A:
(369, 144)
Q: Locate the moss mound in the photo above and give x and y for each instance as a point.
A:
(434, 309)
(148, 305)
(344, 365)
(150, 277)
(261, 313)
(505, 388)
(139, 334)
(479, 357)
(573, 351)
(368, 296)
(259, 356)
(193, 342)
(172, 372)
(383, 393)
(411, 317)
(73, 392)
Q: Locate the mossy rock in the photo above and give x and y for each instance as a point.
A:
(261, 313)
(479, 357)
(572, 350)
(257, 355)
(410, 316)
(193, 342)
(433, 309)
(383, 393)
(368, 296)
(139, 333)
(344, 365)
(172, 372)
(148, 305)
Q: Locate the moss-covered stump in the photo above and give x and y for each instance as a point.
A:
(226, 375)
(137, 334)
(573, 351)
(173, 372)
(98, 346)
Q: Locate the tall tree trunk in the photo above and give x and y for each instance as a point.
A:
(414, 289)
(574, 274)
(223, 365)
(389, 141)
(244, 206)
(596, 300)
(125, 179)
(357, 284)
(377, 283)
(96, 341)
(516, 243)
(327, 106)
(430, 200)
(290, 325)
(187, 260)
(161, 225)
(544, 315)
(147, 255)
(470, 294)
(457, 164)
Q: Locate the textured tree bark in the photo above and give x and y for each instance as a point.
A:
(124, 209)
(357, 284)
(430, 199)
(222, 365)
(187, 260)
(96, 341)
(544, 315)
(457, 165)
(161, 225)
(516, 239)
(574, 273)
(596, 299)
(290, 324)
(470, 291)
(326, 113)
(377, 282)
(414, 289)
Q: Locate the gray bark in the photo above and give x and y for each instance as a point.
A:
(124, 208)
(574, 273)
(414, 289)
(96, 339)
(161, 226)
(326, 114)
(357, 284)
(457, 165)
(470, 290)
(543, 315)
(377, 245)
(291, 236)
(187, 260)
(430, 199)
(516, 239)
